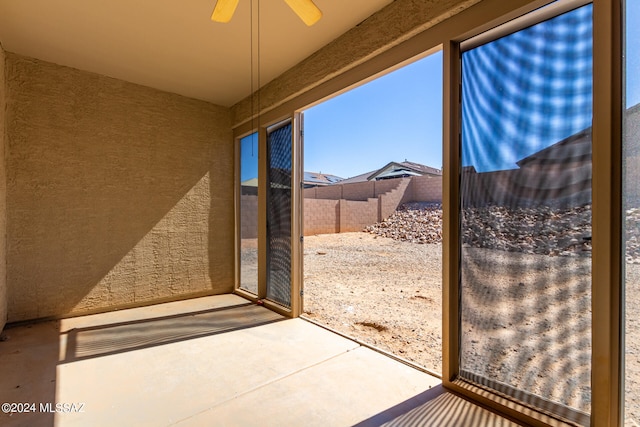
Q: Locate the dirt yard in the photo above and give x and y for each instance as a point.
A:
(382, 291)
(388, 293)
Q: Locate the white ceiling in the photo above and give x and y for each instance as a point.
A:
(173, 45)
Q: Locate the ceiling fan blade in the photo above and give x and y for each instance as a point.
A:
(306, 10)
(223, 11)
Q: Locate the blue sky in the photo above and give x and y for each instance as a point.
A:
(399, 116)
(526, 91)
(395, 117)
(633, 52)
(249, 157)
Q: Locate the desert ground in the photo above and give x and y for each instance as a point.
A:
(527, 320)
(528, 317)
(384, 292)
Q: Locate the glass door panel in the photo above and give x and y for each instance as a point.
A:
(525, 227)
(631, 204)
(279, 205)
(249, 213)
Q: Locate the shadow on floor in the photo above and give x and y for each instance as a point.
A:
(437, 407)
(103, 340)
(31, 353)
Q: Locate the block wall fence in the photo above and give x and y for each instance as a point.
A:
(350, 207)
(364, 203)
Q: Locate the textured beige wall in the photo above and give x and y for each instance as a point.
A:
(3, 199)
(117, 194)
(387, 28)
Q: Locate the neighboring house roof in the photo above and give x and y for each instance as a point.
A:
(358, 178)
(253, 182)
(310, 178)
(469, 169)
(394, 170)
(576, 148)
(399, 169)
(320, 179)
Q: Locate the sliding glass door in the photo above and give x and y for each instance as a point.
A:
(525, 214)
(248, 217)
(269, 217)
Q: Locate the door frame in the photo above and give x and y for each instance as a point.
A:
(296, 217)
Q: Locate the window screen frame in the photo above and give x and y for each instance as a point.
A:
(447, 34)
(607, 372)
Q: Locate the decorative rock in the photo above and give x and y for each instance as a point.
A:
(538, 230)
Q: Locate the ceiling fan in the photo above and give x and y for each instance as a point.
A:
(305, 9)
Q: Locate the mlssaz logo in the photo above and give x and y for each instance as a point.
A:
(64, 408)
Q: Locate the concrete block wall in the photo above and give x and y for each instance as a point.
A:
(321, 216)
(390, 201)
(324, 215)
(359, 190)
(3, 196)
(333, 216)
(631, 154)
(385, 185)
(330, 192)
(632, 175)
(117, 194)
(562, 187)
(352, 191)
(355, 214)
(249, 216)
(427, 189)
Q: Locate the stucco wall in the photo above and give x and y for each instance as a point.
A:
(3, 198)
(117, 194)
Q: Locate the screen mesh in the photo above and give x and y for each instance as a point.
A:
(525, 271)
(279, 215)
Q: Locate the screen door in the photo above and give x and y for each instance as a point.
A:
(525, 214)
(279, 212)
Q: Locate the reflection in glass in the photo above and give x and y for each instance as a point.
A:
(249, 213)
(525, 272)
(631, 201)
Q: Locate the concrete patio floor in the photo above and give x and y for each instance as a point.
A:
(213, 361)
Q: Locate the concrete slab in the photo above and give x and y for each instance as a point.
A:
(445, 410)
(28, 360)
(209, 361)
(185, 377)
(340, 391)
